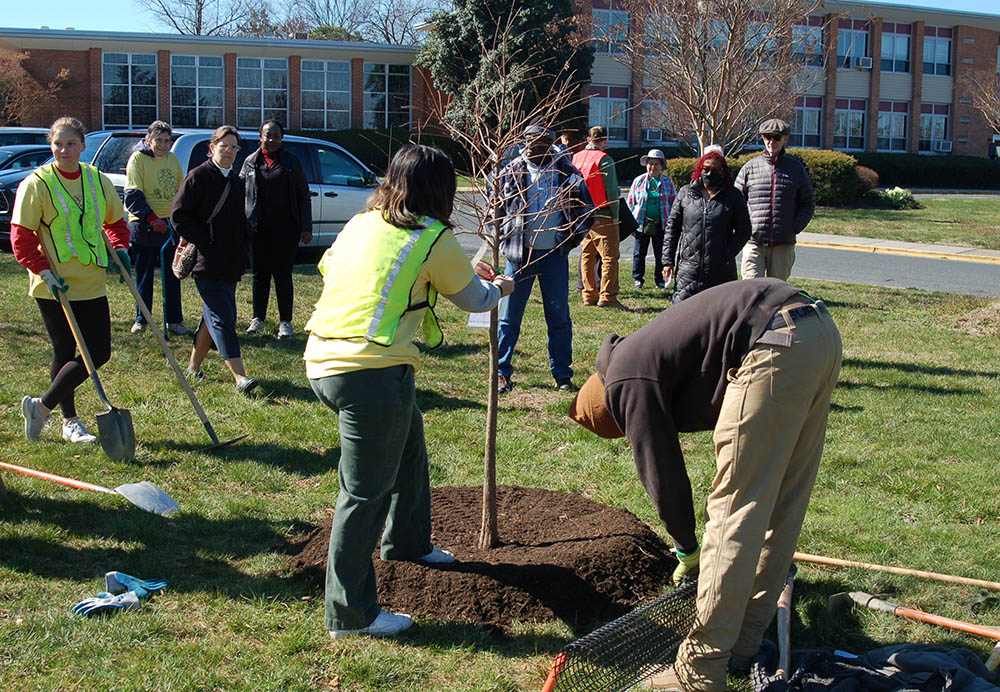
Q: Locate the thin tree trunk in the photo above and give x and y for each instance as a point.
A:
(489, 534)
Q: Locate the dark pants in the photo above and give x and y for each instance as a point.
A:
(639, 250)
(218, 312)
(146, 260)
(67, 370)
(273, 253)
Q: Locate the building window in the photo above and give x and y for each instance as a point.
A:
(609, 106)
(895, 47)
(261, 91)
(849, 123)
(387, 96)
(893, 117)
(326, 95)
(934, 126)
(852, 44)
(937, 50)
(196, 91)
(807, 42)
(807, 122)
(129, 89)
(610, 26)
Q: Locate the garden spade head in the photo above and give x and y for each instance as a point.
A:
(148, 496)
(116, 433)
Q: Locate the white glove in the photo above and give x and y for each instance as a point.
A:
(54, 283)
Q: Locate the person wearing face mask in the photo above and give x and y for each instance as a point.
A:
(280, 213)
(707, 227)
(779, 195)
(208, 212)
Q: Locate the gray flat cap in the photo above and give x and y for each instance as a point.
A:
(774, 126)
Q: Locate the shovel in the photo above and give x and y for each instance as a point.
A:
(114, 425)
(216, 443)
(144, 495)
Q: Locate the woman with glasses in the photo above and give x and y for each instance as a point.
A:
(208, 212)
(73, 205)
(707, 228)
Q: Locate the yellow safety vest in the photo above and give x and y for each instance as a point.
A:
(77, 231)
(368, 275)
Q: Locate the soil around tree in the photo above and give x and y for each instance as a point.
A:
(561, 556)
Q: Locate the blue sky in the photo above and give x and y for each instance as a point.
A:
(125, 15)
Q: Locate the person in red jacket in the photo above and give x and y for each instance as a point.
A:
(74, 205)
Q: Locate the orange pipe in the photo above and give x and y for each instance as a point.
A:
(981, 630)
(557, 667)
(81, 485)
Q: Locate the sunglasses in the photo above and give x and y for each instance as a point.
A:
(772, 138)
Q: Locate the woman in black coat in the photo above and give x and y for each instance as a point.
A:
(208, 212)
(708, 226)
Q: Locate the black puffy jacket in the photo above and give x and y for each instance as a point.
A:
(703, 238)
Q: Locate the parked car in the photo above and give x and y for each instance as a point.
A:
(28, 156)
(23, 135)
(10, 179)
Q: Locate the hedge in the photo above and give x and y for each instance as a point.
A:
(915, 170)
(375, 147)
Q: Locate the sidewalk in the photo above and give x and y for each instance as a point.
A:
(896, 247)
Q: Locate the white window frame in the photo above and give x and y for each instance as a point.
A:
(329, 115)
(895, 121)
(200, 118)
(131, 106)
(798, 134)
(380, 119)
(264, 68)
(610, 30)
(807, 42)
(605, 110)
(931, 120)
(938, 45)
(852, 44)
(892, 40)
(848, 114)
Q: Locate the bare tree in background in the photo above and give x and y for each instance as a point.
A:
(349, 15)
(984, 88)
(201, 17)
(20, 93)
(396, 21)
(718, 67)
(489, 119)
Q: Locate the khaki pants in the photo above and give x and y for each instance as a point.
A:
(601, 241)
(768, 441)
(761, 261)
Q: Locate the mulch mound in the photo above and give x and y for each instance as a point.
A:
(984, 321)
(561, 556)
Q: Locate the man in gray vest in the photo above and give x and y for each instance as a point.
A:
(779, 196)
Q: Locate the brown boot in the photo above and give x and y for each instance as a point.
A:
(616, 304)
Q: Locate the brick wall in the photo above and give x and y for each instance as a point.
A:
(830, 93)
(229, 107)
(73, 98)
(95, 83)
(875, 79)
(357, 92)
(916, 93)
(974, 50)
(163, 85)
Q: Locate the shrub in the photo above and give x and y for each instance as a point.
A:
(896, 198)
(916, 170)
(867, 180)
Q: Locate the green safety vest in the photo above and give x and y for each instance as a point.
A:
(368, 275)
(77, 232)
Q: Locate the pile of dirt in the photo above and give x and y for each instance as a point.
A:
(984, 321)
(561, 556)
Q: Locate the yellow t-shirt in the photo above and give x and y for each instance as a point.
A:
(447, 268)
(33, 208)
(156, 179)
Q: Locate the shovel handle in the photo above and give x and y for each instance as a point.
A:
(949, 578)
(163, 342)
(81, 485)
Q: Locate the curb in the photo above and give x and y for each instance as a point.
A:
(966, 256)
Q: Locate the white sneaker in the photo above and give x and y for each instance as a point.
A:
(256, 324)
(437, 556)
(34, 420)
(284, 329)
(386, 625)
(138, 327)
(73, 431)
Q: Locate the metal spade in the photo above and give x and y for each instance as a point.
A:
(144, 495)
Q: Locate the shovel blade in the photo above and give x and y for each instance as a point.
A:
(117, 434)
(147, 496)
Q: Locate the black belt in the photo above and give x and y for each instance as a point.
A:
(772, 337)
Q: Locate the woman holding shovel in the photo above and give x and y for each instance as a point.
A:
(380, 283)
(72, 205)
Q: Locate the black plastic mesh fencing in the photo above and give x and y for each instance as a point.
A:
(624, 651)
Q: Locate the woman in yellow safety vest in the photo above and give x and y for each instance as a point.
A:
(74, 205)
(381, 279)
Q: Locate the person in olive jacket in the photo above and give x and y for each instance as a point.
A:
(208, 213)
(279, 209)
(707, 228)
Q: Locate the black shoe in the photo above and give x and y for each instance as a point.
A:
(504, 385)
(565, 385)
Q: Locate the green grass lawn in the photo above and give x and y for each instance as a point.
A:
(910, 478)
(949, 220)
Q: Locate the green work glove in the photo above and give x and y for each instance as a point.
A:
(126, 262)
(686, 563)
(54, 283)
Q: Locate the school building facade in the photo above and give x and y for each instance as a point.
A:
(881, 78)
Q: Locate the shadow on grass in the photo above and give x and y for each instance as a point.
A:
(429, 400)
(275, 390)
(847, 305)
(911, 367)
(477, 638)
(288, 458)
(922, 388)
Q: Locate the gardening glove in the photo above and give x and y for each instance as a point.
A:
(54, 283)
(159, 225)
(126, 262)
(143, 588)
(93, 606)
(687, 563)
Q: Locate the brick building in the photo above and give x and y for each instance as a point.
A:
(892, 80)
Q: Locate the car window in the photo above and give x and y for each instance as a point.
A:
(199, 153)
(31, 159)
(8, 138)
(338, 169)
(300, 150)
(115, 153)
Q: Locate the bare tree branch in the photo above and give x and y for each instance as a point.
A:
(984, 88)
(201, 17)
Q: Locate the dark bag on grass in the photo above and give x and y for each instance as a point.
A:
(626, 222)
(187, 253)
